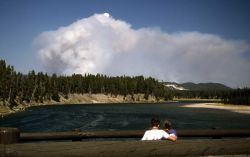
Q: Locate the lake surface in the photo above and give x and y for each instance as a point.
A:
(121, 117)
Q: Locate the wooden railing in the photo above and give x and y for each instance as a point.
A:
(12, 144)
(78, 135)
(12, 135)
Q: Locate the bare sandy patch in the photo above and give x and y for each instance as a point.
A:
(233, 108)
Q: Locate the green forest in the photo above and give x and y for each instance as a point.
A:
(16, 87)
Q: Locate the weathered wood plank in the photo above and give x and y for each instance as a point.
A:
(128, 148)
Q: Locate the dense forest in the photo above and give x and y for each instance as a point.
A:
(16, 87)
(230, 96)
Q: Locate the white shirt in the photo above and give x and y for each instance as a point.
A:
(155, 134)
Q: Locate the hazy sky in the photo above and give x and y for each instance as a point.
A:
(178, 40)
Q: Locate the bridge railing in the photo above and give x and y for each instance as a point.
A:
(13, 135)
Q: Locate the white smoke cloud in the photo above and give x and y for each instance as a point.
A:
(102, 44)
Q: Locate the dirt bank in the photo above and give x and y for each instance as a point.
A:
(80, 99)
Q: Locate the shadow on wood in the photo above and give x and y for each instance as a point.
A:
(129, 148)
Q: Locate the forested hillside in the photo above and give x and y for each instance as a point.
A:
(204, 86)
(224, 94)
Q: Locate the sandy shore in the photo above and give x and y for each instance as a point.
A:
(233, 108)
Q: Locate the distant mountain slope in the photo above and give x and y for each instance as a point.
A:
(194, 86)
(205, 86)
(174, 86)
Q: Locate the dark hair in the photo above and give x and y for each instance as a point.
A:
(167, 124)
(155, 122)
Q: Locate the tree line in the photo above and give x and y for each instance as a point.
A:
(229, 96)
(237, 97)
(16, 87)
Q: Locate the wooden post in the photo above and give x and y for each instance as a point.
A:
(9, 135)
(77, 130)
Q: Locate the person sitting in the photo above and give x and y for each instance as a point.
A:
(170, 131)
(155, 133)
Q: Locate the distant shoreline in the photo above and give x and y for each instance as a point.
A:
(81, 99)
(119, 99)
(233, 108)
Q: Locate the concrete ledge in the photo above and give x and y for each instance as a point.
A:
(201, 147)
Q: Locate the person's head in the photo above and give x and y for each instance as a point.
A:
(167, 124)
(155, 122)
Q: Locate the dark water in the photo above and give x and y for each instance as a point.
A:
(121, 117)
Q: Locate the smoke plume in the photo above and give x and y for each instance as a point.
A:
(102, 44)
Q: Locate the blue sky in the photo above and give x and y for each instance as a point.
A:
(21, 21)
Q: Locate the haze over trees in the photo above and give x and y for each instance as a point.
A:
(16, 88)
